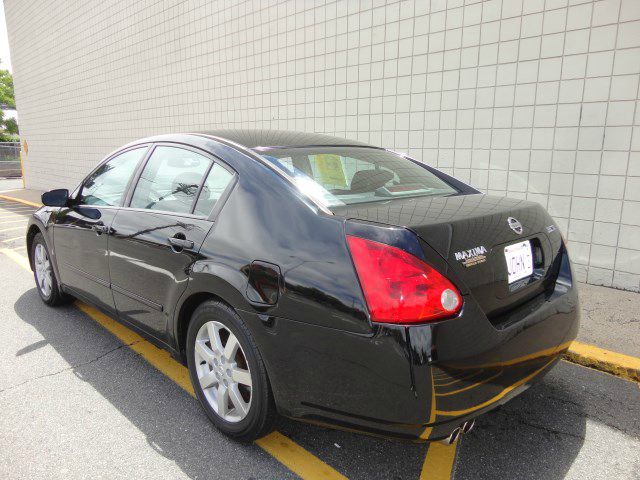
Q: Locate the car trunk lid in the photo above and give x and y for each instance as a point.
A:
(471, 232)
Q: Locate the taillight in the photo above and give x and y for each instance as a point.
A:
(399, 287)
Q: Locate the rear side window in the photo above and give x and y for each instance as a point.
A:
(170, 180)
(213, 188)
(107, 184)
(338, 176)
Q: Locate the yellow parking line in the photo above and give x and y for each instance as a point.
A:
(12, 203)
(616, 363)
(438, 463)
(155, 356)
(20, 200)
(12, 228)
(15, 213)
(439, 460)
(3, 201)
(286, 451)
(16, 257)
(9, 240)
(22, 220)
(296, 458)
(14, 207)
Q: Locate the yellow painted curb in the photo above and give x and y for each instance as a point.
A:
(618, 364)
(20, 200)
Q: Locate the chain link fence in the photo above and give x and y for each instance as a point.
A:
(10, 160)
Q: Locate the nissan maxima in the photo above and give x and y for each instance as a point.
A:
(314, 277)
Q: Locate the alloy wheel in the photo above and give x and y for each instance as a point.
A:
(223, 371)
(43, 270)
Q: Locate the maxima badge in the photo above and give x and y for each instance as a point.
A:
(472, 257)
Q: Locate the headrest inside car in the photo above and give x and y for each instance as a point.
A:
(369, 180)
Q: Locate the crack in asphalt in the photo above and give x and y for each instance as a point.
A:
(543, 428)
(70, 367)
(600, 416)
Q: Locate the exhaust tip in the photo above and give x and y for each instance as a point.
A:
(468, 426)
(453, 436)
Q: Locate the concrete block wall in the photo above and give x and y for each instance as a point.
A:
(534, 99)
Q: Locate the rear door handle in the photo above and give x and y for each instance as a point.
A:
(180, 243)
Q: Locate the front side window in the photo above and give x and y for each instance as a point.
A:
(170, 180)
(107, 184)
(337, 176)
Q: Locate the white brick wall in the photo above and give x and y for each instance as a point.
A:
(534, 99)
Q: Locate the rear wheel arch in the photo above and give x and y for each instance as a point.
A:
(225, 286)
(188, 306)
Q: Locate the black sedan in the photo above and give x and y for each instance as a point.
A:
(314, 277)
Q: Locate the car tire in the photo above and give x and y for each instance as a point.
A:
(44, 274)
(216, 388)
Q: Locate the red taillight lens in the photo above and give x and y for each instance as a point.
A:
(401, 288)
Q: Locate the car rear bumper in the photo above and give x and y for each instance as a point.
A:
(417, 382)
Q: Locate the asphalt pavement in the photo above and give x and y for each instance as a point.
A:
(77, 402)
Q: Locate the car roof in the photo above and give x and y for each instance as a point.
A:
(281, 138)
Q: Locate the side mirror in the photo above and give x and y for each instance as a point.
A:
(56, 198)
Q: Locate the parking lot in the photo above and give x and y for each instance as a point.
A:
(83, 397)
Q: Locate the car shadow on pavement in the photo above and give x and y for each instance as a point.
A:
(169, 417)
(537, 435)
(172, 420)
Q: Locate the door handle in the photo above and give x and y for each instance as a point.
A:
(178, 243)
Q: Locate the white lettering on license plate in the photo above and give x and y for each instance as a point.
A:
(519, 260)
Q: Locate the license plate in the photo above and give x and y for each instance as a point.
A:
(519, 260)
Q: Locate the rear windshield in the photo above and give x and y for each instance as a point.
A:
(338, 176)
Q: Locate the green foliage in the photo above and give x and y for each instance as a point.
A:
(7, 98)
(6, 137)
(8, 127)
(11, 126)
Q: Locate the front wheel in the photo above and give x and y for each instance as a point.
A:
(228, 374)
(45, 277)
